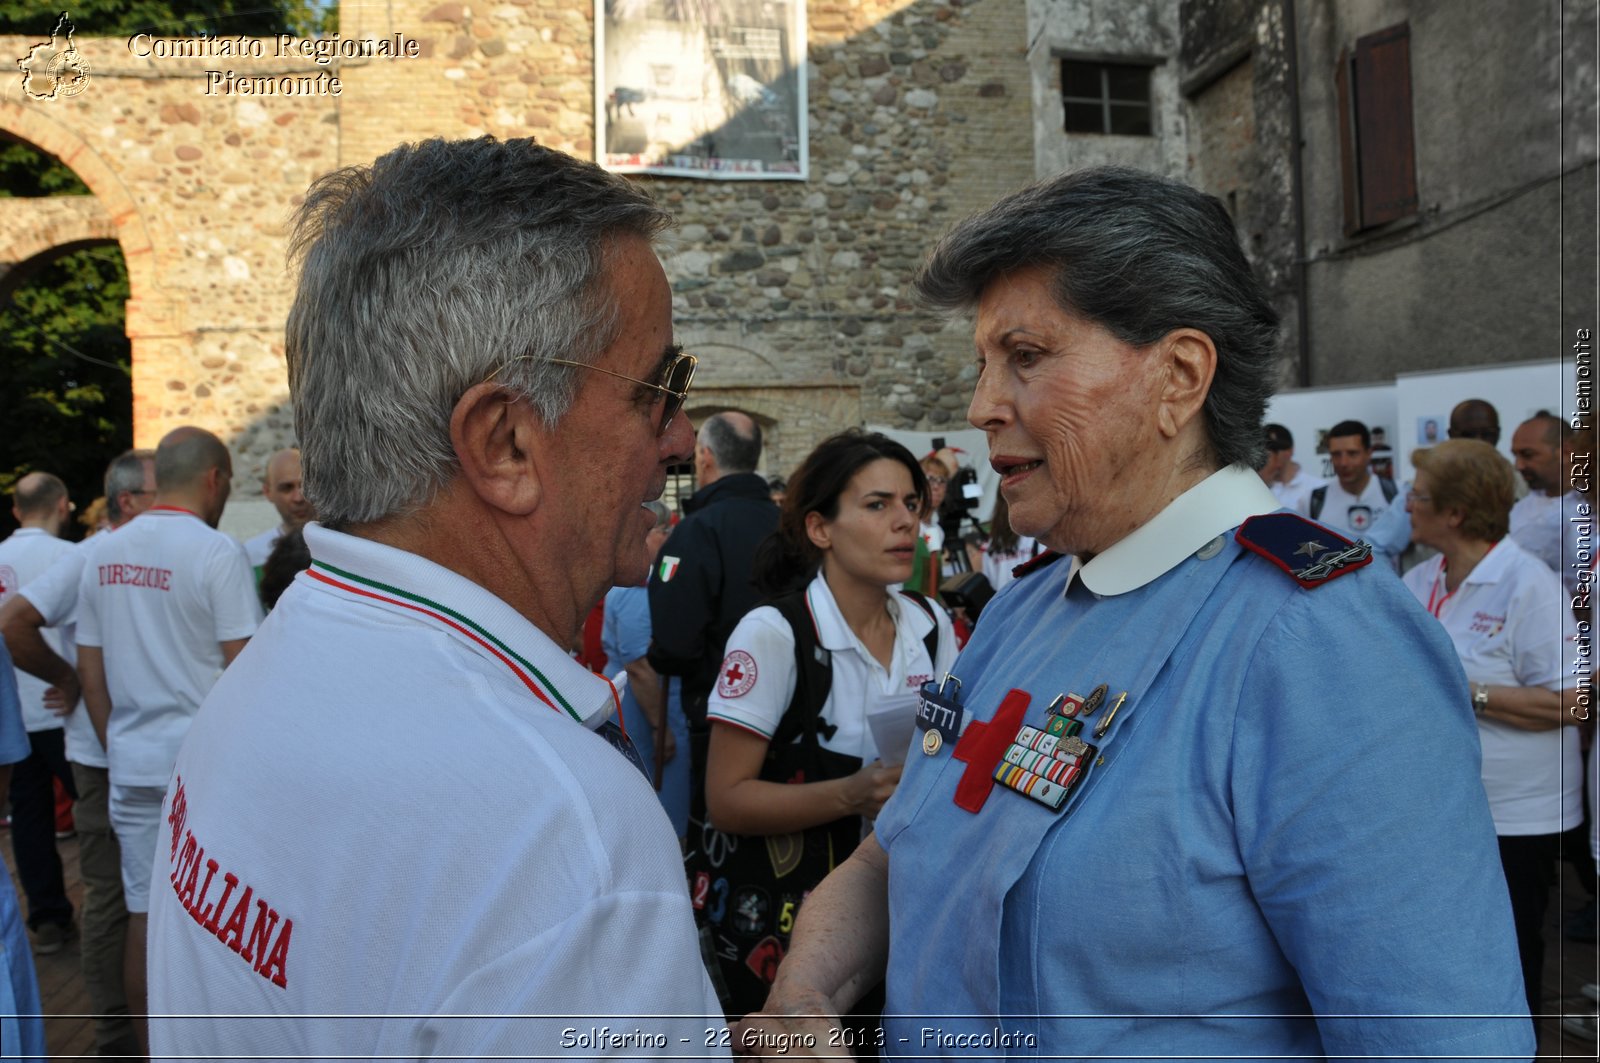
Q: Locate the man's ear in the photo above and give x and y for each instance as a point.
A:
(494, 436)
(1190, 360)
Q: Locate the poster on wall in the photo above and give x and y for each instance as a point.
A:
(714, 89)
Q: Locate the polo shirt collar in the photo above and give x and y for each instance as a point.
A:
(1219, 503)
(833, 634)
(419, 589)
(29, 533)
(1492, 565)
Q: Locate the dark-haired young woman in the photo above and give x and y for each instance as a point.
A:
(791, 778)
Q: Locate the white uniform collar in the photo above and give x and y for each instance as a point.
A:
(30, 533)
(833, 633)
(1214, 505)
(415, 587)
(1492, 565)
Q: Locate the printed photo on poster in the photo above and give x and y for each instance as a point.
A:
(714, 89)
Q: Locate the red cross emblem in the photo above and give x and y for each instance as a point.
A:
(981, 748)
(738, 675)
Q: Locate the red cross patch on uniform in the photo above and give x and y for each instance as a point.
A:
(738, 675)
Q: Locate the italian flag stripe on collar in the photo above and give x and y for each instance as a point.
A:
(524, 670)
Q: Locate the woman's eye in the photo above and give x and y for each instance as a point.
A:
(1025, 357)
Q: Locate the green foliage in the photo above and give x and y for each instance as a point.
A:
(27, 171)
(64, 371)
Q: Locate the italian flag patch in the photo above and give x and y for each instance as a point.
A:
(669, 568)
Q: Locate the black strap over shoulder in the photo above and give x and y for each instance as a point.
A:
(813, 672)
(813, 667)
(1319, 498)
(931, 639)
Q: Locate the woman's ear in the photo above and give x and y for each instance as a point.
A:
(819, 530)
(1189, 361)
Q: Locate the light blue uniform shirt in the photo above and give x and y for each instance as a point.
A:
(20, 1034)
(1282, 847)
(625, 636)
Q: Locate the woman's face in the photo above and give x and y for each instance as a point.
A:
(1070, 413)
(1427, 523)
(936, 488)
(873, 537)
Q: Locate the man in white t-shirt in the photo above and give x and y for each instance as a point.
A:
(51, 603)
(1541, 521)
(164, 604)
(1358, 496)
(1288, 480)
(487, 392)
(42, 508)
(280, 485)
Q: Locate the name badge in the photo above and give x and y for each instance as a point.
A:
(940, 711)
(624, 745)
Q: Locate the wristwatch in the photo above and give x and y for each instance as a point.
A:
(1480, 698)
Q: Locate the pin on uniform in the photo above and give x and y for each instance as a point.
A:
(1047, 764)
(940, 715)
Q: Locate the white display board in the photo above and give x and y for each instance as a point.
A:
(1308, 413)
(1516, 391)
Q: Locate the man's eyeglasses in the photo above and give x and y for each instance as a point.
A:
(1417, 496)
(674, 386)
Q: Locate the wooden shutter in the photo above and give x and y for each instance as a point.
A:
(1376, 136)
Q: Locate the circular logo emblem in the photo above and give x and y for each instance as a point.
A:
(69, 70)
(932, 740)
(738, 675)
(1360, 518)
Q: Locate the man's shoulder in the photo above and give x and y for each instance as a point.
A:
(33, 547)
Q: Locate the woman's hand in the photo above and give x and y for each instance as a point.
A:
(866, 791)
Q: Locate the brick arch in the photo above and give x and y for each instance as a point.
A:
(39, 230)
(38, 127)
(34, 226)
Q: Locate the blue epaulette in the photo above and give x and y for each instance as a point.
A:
(1309, 552)
(1035, 564)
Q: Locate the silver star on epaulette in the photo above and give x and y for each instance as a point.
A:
(1311, 549)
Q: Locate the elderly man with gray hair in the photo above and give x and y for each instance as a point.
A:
(486, 394)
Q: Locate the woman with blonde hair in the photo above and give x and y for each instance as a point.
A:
(1508, 618)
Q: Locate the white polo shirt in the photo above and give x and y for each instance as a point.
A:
(758, 679)
(998, 565)
(259, 547)
(157, 597)
(1348, 514)
(330, 780)
(1292, 495)
(55, 596)
(1511, 626)
(26, 555)
(1538, 524)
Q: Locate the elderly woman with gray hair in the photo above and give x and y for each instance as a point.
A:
(655, 723)
(1195, 784)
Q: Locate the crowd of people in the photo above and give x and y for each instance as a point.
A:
(808, 792)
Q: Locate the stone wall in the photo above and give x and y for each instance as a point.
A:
(919, 113)
(1504, 178)
(1138, 30)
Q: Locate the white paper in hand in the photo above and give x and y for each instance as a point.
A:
(893, 719)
